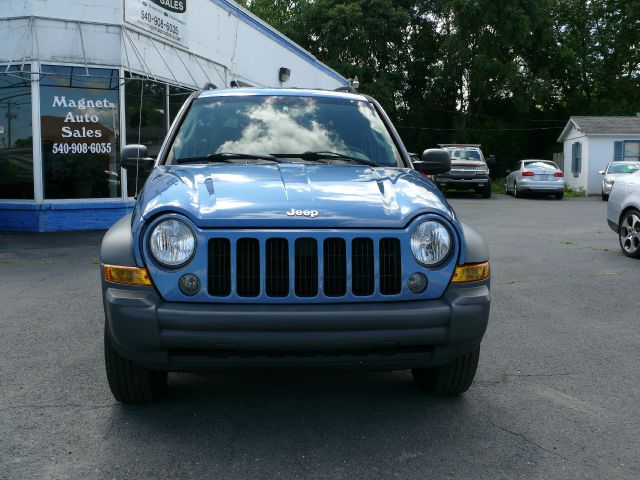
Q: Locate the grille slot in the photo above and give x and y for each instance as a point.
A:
(390, 269)
(219, 267)
(277, 266)
(248, 267)
(306, 263)
(362, 267)
(335, 267)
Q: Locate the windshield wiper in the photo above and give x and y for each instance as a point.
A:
(225, 157)
(320, 156)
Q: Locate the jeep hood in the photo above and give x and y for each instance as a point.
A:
(261, 195)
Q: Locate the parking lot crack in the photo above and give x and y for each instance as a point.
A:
(523, 437)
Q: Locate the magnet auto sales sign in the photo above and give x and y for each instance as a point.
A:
(165, 18)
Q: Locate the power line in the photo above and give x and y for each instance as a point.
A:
(479, 129)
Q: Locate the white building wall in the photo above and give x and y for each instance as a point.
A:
(223, 42)
(578, 182)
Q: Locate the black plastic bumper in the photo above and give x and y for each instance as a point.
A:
(369, 336)
(463, 183)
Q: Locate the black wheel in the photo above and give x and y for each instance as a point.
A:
(486, 191)
(629, 234)
(452, 378)
(605, 197)
(560, 195)
(128, 382)
(516, 194)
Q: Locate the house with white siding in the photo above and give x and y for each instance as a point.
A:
(591, 143)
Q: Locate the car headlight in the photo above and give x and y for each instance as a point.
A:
(482, 171)
(608, 181)
(172, 243)
(430, 242)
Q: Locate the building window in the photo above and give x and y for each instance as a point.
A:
(576, 159)
(79, 115)
(150, 107)
(16, 138)
(177, 97)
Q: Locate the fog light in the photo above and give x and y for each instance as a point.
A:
(189, 284)
(417, 282)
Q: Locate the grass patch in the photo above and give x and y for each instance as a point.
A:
(498, 186)
(571, 193)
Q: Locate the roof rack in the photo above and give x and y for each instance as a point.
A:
(346, 88)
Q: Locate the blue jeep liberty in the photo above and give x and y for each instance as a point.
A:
(290, 229)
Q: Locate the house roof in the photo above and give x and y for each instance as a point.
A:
(603, 126)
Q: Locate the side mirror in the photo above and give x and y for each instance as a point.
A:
(491, 160)
(434, 161)
(601, 172)
(133, 156)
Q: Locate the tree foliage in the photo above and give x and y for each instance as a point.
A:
(504, 73)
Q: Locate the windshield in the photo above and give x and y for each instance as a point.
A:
(541, 164)
(461, 153)
(623, 167)
(285, 126)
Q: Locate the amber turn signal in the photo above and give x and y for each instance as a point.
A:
(126, 275)
(475, 272)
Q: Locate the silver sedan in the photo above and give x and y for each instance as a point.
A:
(535, 176)
(623, 213)
(614, 171)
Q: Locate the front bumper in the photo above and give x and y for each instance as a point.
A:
(363, 336)
(476, 182)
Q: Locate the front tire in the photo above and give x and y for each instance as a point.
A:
(605, 197)
(130, 383)
(486, 192)
(629, 234)
(452, 378)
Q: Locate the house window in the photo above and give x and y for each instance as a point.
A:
(631, 151)
(576, 159)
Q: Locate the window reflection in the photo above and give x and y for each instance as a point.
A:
(150, 108)
(16, 142)
(259, 124)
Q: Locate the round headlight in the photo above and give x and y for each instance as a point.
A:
(430, 242)
(172, 243)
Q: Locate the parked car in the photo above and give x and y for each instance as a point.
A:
(623, 213)
(469, 170)
(535, 176)
(613, 171)
(288, 229)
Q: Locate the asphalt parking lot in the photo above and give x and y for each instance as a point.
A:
(556, 394)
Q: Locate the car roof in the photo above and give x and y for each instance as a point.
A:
(288, 92)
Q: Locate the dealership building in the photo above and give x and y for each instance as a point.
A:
(79, 80)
